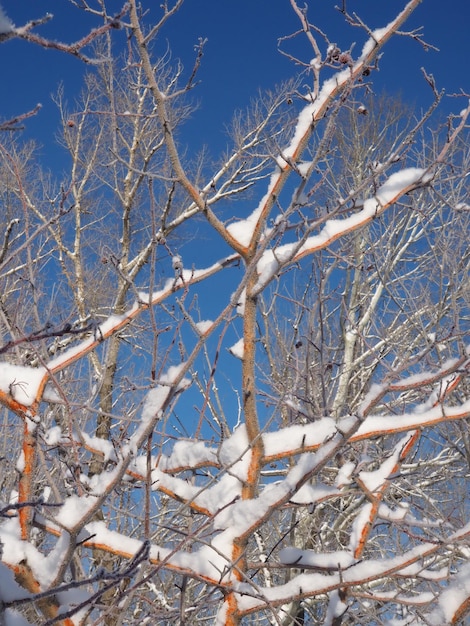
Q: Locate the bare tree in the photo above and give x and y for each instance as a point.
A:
(142, 482)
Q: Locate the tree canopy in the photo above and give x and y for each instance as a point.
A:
(235, 387)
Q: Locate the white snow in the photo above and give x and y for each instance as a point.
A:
(110, 323)
(99, 483)
(407, 421)
(21, 382)
(53, 435)
(343, 477)
(51, 563)
(457, 593)
(6, 25)
(235, 453)
(20, 462)
(311, 494)
(242, 230)
(298, 436)
(69, 355)
(16, 550)
(336, 608)
(237, 350)
(99, 444)
(177, 262)
(154, 402)
(315, 560)
(371, 43)
(156, 397)
(240, 302)
(211, 497)
(455, 597)
(313, 583)
(358, 525)
(463, 112)
(206, 561)
(374, 392)
(10, 536)
(375, 480)
(188, 453)
(74, 509)
(204, 325)
(188, 276)
(397, 184)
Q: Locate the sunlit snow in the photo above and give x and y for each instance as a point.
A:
(20, 382)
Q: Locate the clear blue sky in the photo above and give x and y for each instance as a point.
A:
(241, 54)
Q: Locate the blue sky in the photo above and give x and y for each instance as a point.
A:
(241, 55)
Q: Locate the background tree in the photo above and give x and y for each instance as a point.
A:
(310, 491)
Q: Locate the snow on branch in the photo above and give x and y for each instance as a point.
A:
(389, 192)
(26, 385)
(249, 231)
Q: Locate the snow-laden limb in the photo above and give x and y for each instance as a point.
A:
(204, 325)
(375, 484)
(74, 509)
(314, 494)
(302, 438)
(156, 397)
(366, 571)
(221, 511)
(207, 500)
(298, 438)
(360, 527)
(77, 509)
(206, 563)
(454, 601)
(397, 184)
(17, 552)
(447, 368)
(245, 516)
(246, 231)
(233, 456)
(237, 349)
(187, 454)
(401, 514)
(21, 386)
(282, 442)
(95, 444)
(20, 382)
(242, 230)
(375, 480)
(444, 379)
(383, 424)
(309, 559)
